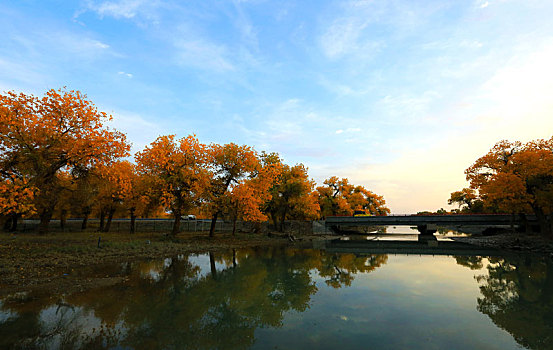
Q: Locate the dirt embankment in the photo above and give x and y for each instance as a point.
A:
(57, 262)
(520, 242)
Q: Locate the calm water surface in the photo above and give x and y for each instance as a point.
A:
(291, 299)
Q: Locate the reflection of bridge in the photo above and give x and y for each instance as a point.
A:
(425, 223)
(359, 247)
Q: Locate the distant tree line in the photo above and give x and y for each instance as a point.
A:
(58, 159)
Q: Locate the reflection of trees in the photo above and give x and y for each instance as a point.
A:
(472, 262)
(340, 269)
(173, 304)
(59, 326)
(517, 294)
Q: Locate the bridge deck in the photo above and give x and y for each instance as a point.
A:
(413, 220)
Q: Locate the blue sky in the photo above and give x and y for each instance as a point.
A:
(399, 96)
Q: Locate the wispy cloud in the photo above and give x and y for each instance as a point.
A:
(26, 78)
(342, 37)
(202, 54)
(123, 8)
(348, 130)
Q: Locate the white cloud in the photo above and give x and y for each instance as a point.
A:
(99, 44)
(483, 4)
(123, 8)
(348, 130)
(128, 75)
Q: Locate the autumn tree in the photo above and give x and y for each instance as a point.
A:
(83, 198)
(230, 166)
(248, 198)
(136, 198)
(468, 200)
(66, 187)
(292, 196)
(178, 172)
(331, 199)
(16, 200)
(39, 137)
(339, 197)
(115, 185)
(518, 178)
(361, 198)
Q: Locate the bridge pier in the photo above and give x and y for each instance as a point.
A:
(427, 229)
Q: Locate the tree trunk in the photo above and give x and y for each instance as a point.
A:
(45, 217)
(85, 220)
(234, 258)
(133, 220)
(63, 218)
(282, 218)
(275, 224)
(102, 219)
(213, 223)
(257, 227)
(525, 224)
(110, 217)
(176, 224)
(212, 265)
(545, 226)
(6, 222)
(14, 221)
(549, 225)
(275, 221)
(234, 226)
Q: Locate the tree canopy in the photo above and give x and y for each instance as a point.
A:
(41, 137)
(514, 177)
(59, 158)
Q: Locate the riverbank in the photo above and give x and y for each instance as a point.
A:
(73, 261)
(513, 241)
(55, 262)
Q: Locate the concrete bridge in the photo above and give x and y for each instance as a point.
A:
(426, 224)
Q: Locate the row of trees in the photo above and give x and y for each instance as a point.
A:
(59, 159)
(513, 177)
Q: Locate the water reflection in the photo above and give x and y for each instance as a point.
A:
(517, 295)
(175, 304)
(311, 298)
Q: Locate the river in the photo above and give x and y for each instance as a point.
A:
(282, 298)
